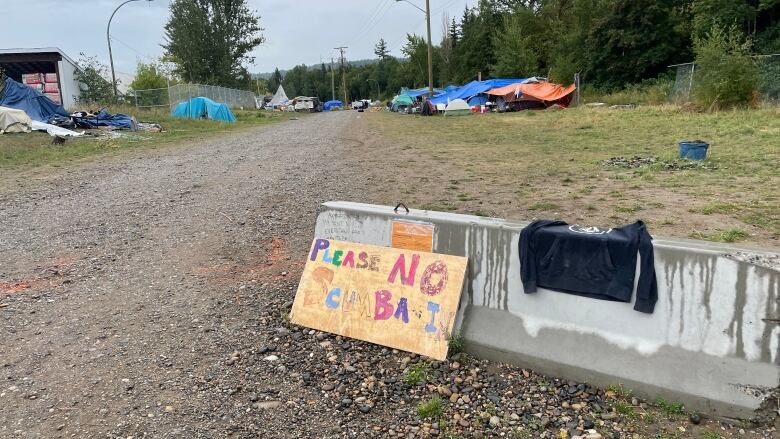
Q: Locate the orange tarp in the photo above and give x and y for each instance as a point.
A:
(544, 91)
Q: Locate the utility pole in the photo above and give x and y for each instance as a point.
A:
(343, 72)
(430, 48)
(427, 12)
(332, 80)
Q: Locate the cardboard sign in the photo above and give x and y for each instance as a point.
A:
(412, 236)
(399, 298)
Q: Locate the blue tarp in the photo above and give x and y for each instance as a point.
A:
(420, 92)
(327, 106)
(477, 100)
(29, 100)
(200, 107)
(104, 119)
(473, 88)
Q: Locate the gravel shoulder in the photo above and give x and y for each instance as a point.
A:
(146, 296)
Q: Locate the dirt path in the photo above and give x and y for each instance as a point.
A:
(132, 281)
(144, 296)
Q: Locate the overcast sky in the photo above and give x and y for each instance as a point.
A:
(296, 31)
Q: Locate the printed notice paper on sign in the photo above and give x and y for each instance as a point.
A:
(404, 299)
(412, 236)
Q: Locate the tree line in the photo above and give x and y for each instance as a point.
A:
(612, 44)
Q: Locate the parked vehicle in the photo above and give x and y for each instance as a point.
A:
(306, 104)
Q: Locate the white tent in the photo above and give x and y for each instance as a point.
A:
(457, 106)
(280, 98)
(14, 121)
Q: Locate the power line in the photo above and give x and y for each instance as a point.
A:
(368, 23)
(131, 48)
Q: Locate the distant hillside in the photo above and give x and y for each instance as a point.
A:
(355, 63)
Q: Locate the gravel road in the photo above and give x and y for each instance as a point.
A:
(145, 295)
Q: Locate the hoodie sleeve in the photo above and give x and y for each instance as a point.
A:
(528, 253)
(528, 258)
(647, 287)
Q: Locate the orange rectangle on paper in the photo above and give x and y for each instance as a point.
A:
(412, 236)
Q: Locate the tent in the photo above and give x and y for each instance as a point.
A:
(332, 105)
(541, 93)
(401, 101)
(280, 98)
(29, 100)
(457, 107)
(14, 121)
(200, 107)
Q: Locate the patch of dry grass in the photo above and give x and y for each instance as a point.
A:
(533, 164)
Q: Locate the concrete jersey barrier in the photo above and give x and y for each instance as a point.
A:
(712, 343)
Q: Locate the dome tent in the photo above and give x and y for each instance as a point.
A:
(200, 107)
(457, 107)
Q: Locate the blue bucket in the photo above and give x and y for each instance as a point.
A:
(693, 149)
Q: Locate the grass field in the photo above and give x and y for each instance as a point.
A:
(551, 164)
(35, 149)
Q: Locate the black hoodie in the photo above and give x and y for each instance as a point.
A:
(589, 261)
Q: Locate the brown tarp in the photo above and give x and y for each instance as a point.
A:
(542, 91)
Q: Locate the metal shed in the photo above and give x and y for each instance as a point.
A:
(47, 60)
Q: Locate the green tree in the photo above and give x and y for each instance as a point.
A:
(636, 39)
(726, 75)
(148, 76)
(275, 81)
(94, 87)
(381, 49)
(515, 57)
(212, 40)
(149, 85)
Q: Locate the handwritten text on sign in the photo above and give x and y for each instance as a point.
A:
(399, 298)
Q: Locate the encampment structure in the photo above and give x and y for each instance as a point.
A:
(280, 98)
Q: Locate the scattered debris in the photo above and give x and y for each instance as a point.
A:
(629, 162)
(623, 107)
(668, 165)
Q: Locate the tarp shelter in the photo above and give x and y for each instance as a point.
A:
(457, 107)
(31, 101)
(280, 98)
(200, 107)
(14, 121)
(471, 89)
(330, 105)
(545, 92)
(420, 92)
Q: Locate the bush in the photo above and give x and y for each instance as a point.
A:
(725, 75)
(650, 92)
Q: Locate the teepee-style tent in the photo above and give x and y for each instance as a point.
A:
(280, 98)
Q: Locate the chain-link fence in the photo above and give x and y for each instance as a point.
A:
(768, 84)
(170, 96)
